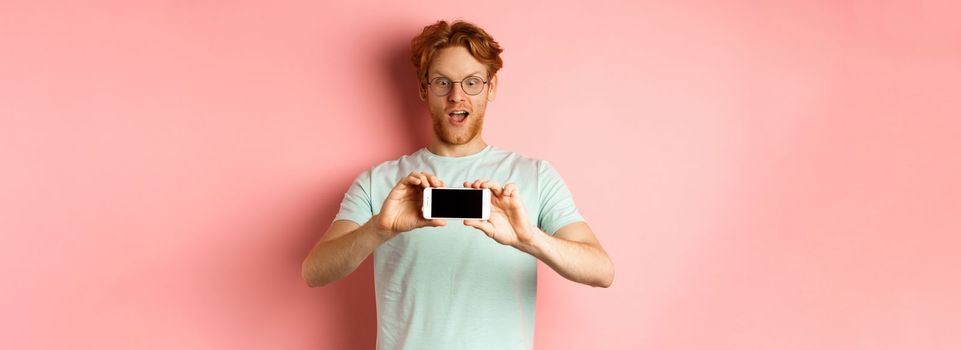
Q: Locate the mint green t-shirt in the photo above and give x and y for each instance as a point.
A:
(453, 287)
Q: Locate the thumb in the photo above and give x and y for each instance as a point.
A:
(482, 225)
(435, 222)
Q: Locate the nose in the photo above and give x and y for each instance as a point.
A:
(456, 94)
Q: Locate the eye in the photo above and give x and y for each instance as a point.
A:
(472, 82)
(442, 82)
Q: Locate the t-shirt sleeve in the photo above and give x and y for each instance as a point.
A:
(356, 205)
(557, 207)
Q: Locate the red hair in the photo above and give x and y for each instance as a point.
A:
(442, 35)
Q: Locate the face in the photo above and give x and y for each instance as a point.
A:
(457, 117)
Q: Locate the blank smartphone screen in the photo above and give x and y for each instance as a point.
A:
(457, 203)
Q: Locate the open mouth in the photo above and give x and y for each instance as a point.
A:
(458, 117)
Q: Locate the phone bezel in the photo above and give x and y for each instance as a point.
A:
(485, 203)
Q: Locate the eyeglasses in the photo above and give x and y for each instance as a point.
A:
(441, 86)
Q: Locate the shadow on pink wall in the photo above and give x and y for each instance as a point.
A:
(402, 76)
(355, 307)
(350, 302)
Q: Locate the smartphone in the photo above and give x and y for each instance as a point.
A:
(457, 203)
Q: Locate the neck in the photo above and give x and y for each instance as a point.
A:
(442, 148)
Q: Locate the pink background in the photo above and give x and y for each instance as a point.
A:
(764, 176)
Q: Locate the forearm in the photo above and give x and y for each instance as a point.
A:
(577, 261)
(332, 260)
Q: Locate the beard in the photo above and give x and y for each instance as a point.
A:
(448, 135)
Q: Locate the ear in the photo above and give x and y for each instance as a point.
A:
(423, 92)
(492, 89)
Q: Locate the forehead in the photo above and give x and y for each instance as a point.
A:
(455, 62)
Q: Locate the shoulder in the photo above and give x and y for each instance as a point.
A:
(516, 159)
(540, 170)
(393, 169)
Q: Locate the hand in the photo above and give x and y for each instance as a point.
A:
(508, 223)
(401, 211)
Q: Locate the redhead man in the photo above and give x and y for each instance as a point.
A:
(470, 284)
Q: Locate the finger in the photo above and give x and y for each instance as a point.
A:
(421, 223)
(424, 182)
(476, 183)
(494, 187)
(410, 180)
(491, 185)
(510, 189)
(434, 181)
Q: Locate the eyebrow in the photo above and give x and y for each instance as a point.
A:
(435, 74)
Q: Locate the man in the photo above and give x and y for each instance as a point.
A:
(441, 285)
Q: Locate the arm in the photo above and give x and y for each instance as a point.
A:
(346, 244)
(573, 251)
(340, 251)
